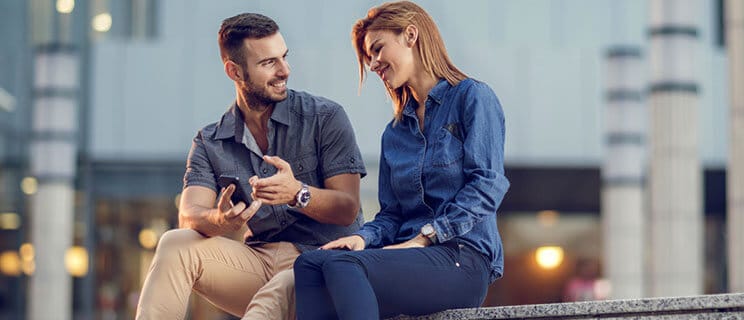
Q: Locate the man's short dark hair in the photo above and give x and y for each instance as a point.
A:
(235, 29)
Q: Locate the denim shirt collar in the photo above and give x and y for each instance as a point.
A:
(436, 93)
(231, 124)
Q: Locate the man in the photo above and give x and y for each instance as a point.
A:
(303, 195)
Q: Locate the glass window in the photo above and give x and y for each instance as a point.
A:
(135, 19)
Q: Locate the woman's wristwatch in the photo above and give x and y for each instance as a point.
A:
(428, 231)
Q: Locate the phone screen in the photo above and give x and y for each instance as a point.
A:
(239, 194)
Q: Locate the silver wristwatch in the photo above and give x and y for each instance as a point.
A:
(428, 231)
(303, 197)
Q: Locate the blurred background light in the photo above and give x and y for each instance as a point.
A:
(76, 261)
(148, 239)
(29, 185)
(9, 221)
(28, 267)
(102, 22)
(10, 263)
(549, 257)
(65, 6)
(27, 252)
(547, 218)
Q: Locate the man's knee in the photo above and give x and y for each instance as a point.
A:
(175, 241)
(275, 300)
(176, 238)
(285, 279)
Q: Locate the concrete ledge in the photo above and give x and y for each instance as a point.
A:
(719, 306)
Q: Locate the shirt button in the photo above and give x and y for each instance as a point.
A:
(457, 264)
(300, 168)
(352, 160)
(283, 223)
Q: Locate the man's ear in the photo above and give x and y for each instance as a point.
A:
(411, 34)
(233, 71)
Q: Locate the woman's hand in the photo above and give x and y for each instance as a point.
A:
(353, 243)
(418, 241)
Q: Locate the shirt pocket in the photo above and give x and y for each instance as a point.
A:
(447, 148)
(305, 168)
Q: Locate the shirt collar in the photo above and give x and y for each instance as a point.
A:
(436, 93)
(281, 109)
(231, 124)
(227, 127)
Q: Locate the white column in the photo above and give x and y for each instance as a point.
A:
(623, 172)
(53, 162)
(735, 170)
(675, 226)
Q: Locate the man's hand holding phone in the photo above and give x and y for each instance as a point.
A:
(238, 193)
(236, 215)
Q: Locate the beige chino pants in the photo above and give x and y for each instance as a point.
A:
(253, 282)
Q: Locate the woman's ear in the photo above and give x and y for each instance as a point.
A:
(411, 34)
(233, 71)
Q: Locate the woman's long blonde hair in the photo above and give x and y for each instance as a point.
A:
(395, 17)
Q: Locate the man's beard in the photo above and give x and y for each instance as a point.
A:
(259, 98)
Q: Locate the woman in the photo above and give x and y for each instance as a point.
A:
(441, 182)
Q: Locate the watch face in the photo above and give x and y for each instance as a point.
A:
(305, 197)
(427, 229)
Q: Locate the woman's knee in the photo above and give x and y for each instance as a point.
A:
(342, 261)
(310, 259)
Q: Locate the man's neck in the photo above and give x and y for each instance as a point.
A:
(257, 123)
(256, 117)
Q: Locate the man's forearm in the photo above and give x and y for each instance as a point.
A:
(331, 206)
(203, 220)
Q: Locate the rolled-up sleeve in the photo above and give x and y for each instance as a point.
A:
(199, 170)
(339, 151)
(483, 165)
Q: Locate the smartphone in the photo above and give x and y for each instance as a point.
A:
(239, 194)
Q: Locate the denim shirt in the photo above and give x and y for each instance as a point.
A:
(311, 133)
(450, 174)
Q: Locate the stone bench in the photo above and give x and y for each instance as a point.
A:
(717, 306)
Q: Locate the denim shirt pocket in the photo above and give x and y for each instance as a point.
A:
(305, 168)
(447, 147)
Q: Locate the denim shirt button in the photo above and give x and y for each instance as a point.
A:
(351, 160)
(264, 171)
(300, 168)
(283, 223)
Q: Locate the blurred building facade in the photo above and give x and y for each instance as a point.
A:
(150, 77)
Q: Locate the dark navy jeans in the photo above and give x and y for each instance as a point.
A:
(381, 283)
